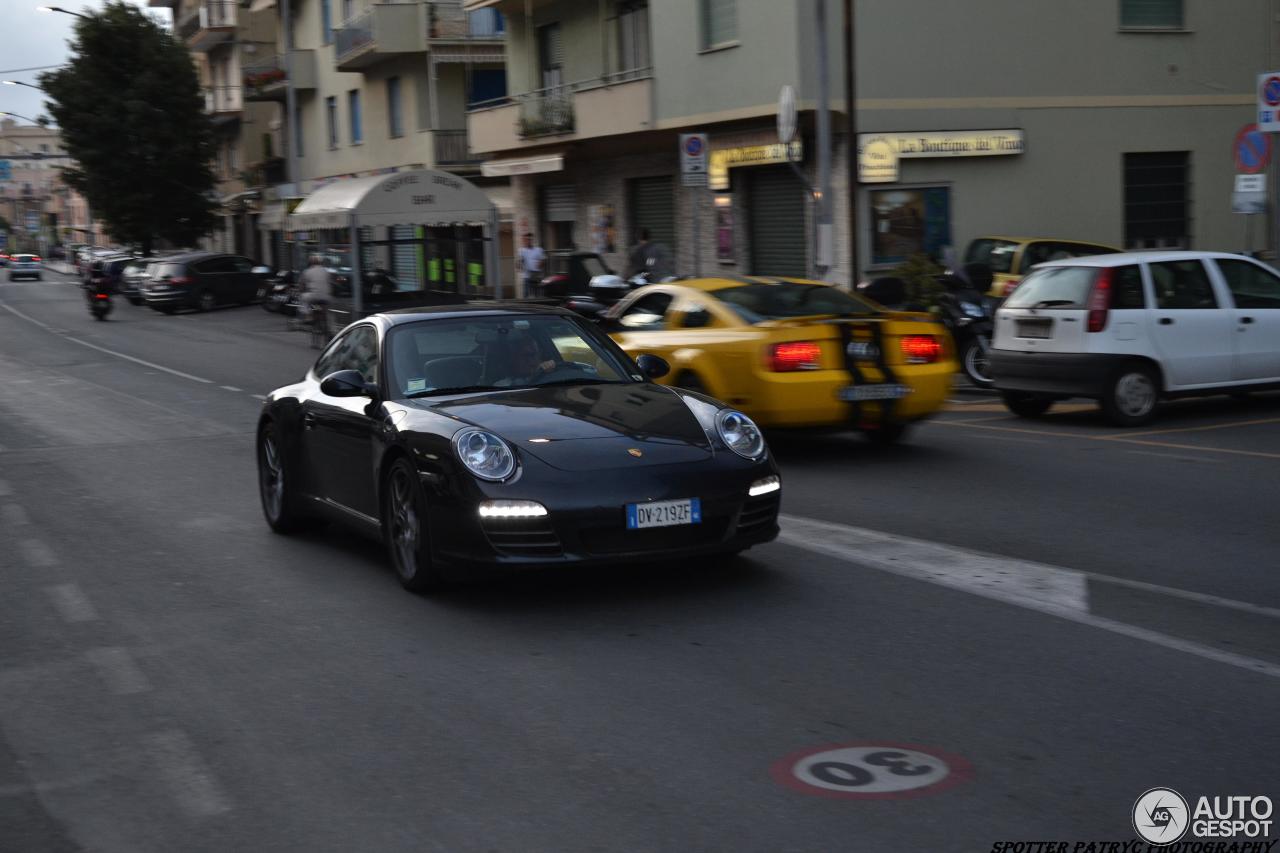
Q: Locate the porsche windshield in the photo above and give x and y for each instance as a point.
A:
(457, 355)
(756, 303)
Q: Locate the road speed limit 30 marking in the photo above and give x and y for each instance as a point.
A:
(871, 771)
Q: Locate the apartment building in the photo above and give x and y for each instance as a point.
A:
(1110, 121)
(378, 88)
(40, 207)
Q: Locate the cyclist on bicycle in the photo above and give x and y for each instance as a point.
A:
(314, 288)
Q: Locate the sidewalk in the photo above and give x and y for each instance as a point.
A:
(60, 267)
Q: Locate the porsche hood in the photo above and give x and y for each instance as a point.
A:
(588, 427)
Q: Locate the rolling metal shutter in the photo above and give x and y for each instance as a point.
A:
(404, 257)
(775, 201)
(560, 202)
(653, 206)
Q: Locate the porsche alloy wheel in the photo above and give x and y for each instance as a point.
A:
(404, 529)
(273, 483)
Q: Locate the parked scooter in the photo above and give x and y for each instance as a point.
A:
(281, 296)
(966, 312)
(962, 307)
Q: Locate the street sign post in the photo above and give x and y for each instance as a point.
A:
(1252, 150)
(1269, 102)
(693, 174)
(1250, 194)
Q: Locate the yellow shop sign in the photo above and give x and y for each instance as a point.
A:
(879, 153)
(724, 159)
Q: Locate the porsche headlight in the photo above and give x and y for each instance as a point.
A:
(484, 454)
(740, 434)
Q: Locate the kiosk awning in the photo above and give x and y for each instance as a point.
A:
(423, 197)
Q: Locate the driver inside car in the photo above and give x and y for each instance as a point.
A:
(526, 363)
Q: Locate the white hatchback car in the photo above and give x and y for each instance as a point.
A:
(1131, 328)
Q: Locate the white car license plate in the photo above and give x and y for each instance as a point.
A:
(664, 513)
(857, 393)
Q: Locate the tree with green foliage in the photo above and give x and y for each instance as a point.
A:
(132, 116)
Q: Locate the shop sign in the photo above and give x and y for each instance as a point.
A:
(879, 153)
(724, 159)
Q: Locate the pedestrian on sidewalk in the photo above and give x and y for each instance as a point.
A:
(533, 263)
(314, 287)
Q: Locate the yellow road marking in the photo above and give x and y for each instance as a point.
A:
(1112, 439)
(1000, 407)
(1126, 435)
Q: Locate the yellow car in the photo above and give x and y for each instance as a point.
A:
(1011, 258)
(791, 353)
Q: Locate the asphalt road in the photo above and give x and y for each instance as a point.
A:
(1063, 614)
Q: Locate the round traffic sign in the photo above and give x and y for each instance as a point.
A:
(1252, 150)
(693, 146)
(871, 771)
(1271, 90)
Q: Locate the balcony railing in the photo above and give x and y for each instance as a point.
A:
(453, 148)
(448, 21)
(222, 100)
(208, 24)
(546, 112)
(267, 81)
(384, 30)
(267, 173)
(353, 35)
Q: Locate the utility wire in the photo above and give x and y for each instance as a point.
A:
(37, 68)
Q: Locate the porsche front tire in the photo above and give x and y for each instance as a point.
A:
(405, 529)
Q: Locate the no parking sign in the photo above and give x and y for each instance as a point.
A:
(1269, 102)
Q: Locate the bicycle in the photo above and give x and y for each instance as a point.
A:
(318, 323)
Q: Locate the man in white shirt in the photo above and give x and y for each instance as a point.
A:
(314, 286)
(533, 261)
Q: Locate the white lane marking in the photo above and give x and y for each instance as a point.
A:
(14, 515)
(1204, 459)
(71, 603)
(193, 786)
(230, 388)
(144, 363)
(37, 553)
(1034, 586)
(58, 785)
(5, 491)
(117, 668)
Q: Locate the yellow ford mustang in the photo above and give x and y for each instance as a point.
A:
(792, 353)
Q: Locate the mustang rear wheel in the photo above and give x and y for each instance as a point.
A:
(404, 528)
(275, 483)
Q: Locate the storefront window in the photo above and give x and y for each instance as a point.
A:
(909, 222)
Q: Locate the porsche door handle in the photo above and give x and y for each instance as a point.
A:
(1166, 321)
(1246, 320)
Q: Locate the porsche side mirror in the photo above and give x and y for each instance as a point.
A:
(347, 383)
(652, 366)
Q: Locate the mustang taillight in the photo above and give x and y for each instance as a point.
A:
(921, 349)
(794, 355)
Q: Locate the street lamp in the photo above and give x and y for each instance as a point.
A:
(20, 83)
(63, 11)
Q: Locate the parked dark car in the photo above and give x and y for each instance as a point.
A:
(470, 438)
(132, 277)
(203, 280)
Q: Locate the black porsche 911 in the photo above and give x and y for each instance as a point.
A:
(481, 436)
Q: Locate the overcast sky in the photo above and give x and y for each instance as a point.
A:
(32, 38)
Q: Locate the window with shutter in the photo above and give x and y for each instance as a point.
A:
(1151, 14)
(719, 22)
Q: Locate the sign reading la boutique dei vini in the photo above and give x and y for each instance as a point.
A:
(1166, 822)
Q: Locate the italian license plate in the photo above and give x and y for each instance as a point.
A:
(664, 513)
(858, 393)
